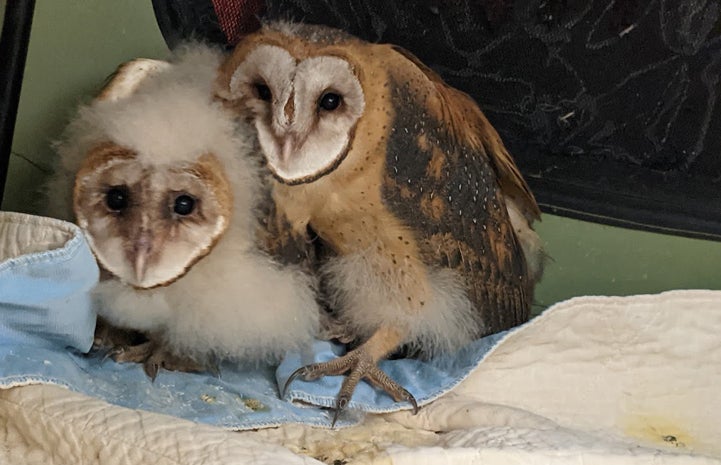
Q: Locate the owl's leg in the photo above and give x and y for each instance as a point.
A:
(360, 363)
(332, 328)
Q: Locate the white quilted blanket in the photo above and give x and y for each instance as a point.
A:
(607, 380)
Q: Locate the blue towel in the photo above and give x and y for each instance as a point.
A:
(47, 323)
(44, 299)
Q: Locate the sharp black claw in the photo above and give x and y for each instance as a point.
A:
(290, 379)
(151, 369)
(413, 402)
(336, 414)
(111, 353)
(341, 404)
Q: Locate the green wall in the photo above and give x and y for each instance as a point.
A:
(588, 258)
(74, 46)
(76, 43)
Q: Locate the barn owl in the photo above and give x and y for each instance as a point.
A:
(403, 179)
(167, 187)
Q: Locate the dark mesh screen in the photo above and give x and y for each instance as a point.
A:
(609, 107)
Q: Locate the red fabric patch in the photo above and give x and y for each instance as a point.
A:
(238, 17)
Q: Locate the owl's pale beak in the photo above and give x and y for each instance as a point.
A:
(141, 265)
(142, 250)
(289, 147)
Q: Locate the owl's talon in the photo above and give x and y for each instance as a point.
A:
(165, 359)
(339, 407)
(151, 369)
(380, 380)
(358, 365)
(302, 371)
(136, 354)
(105, 353)
(113, 352)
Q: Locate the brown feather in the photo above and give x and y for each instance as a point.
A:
(459, 172)
(468, 124)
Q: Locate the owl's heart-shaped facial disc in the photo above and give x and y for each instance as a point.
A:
(148, 224)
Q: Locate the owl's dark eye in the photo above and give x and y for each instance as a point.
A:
(184, 205)
(117, 198)
(329, 101)
(263, 92)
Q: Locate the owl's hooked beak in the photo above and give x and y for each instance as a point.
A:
(142, 249)
(290, 146)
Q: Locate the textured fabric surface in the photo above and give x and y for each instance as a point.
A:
(609, 107)
(594, 380)
(238, 17)
(46, 271)
(241, 398)
(641, 367)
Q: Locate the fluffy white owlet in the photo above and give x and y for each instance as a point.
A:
(166, 188)
(403, 179)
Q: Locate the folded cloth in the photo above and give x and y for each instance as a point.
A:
(47, 322)
(643, 369)
(46, 271)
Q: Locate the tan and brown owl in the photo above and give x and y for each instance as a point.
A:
(166, 189)
(406, 182)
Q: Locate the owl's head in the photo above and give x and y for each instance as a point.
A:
(146, 223)
(152, 158)
(300, 86)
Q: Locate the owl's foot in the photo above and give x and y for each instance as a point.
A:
(137, 353)
(163, 358)
(359, 364)
(108, 338)
(154, 356)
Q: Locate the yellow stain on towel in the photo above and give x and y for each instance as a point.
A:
(658, 430)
